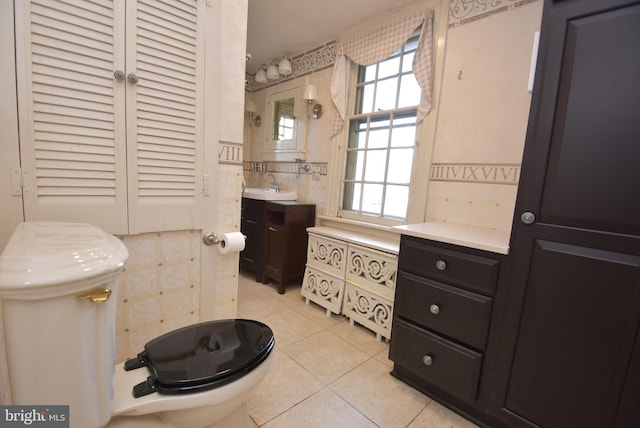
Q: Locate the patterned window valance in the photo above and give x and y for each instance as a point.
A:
(377, 44)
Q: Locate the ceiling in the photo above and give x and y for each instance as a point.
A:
(277, 28)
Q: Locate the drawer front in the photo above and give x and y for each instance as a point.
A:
(456, 313)
(435, 360)
(468, 271)
(323, 289)
(368, 309)
(327, 254)
(372, 270)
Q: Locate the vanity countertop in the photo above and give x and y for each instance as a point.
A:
(496, 241)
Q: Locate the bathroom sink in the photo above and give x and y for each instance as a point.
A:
(268, 194)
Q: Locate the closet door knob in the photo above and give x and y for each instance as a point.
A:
(118, 75)
(441, 265)
(528, 217)
(434, 309)
(427, 360)
(132, 78)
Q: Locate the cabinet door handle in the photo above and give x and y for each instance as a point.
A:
(273, 229)
(441, 265)
(132, 78)
(434, 309)
(427, 360)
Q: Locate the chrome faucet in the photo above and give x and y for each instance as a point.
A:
(275, 187)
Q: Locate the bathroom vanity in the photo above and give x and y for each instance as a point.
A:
(447, 278)
(276, 239)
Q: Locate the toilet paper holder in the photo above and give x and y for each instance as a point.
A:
(210, 238)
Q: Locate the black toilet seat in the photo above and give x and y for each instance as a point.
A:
(202, 356)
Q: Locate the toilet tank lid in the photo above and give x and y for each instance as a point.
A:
(41, 254)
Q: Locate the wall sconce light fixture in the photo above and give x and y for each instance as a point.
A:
(311, 94)
(250, 108)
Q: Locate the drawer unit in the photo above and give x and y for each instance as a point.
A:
(468, 271)
(329, 255)
(442, 312)
(458, 314)
(368, 309)
(436, 361)
(372, 270)
(353, 274)
(323, 281)
(371, 282)
(323, 289)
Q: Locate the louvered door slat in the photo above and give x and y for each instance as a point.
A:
(123, 156)
(71, 143)
(167, 106)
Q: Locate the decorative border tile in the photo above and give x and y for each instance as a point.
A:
(507, 173)
(460, 12)
(309, 62)
(310, 168)
(466, 11)
(230, 153)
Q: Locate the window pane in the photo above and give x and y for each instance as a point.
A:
(407, 62)
(357, 134)
(366, 98)
(354, 166)
(378, 138)
(372, 199)
(396, 202)
(409, 91)
(370, 73)
(386, 96)
(403, 136)
(400, 161)
(389, 68)
(376, 164)
(351, 199)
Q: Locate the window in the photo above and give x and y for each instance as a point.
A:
(381, 139)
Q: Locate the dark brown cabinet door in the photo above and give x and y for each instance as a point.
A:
(252, 225)
(570, 298)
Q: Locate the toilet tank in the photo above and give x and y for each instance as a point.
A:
(58, 289)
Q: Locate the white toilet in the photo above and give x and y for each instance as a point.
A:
(59, 286)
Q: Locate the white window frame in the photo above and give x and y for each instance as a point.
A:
(425, 135)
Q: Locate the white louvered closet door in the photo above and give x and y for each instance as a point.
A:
(121, 155)
(165, 165)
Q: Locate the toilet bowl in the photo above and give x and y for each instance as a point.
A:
(58, 288)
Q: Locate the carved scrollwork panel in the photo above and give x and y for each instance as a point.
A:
(327, 254)
(374, 269)
(323, 289)
(370, 310)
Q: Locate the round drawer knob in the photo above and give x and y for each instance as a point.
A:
(434, 309)
(427, 360)
(441, 265)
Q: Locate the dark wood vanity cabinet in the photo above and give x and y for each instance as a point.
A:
(252, 224)
(285, 255)
(442, 312)
(276, 244)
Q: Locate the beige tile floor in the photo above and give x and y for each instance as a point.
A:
(327, 373)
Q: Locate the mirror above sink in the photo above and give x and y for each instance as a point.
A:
(268, 194)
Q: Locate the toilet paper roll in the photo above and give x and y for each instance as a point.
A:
(232, 242)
